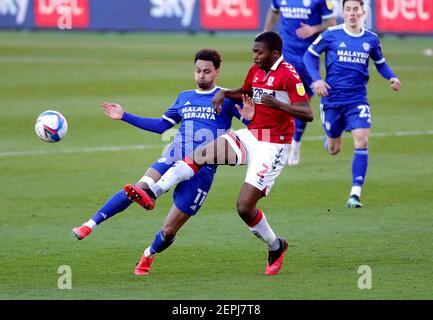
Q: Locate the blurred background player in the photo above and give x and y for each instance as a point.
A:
(344, 104)
(301, 21)
(278, 95)
(194, 111)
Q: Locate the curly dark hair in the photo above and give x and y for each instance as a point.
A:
(209, 55)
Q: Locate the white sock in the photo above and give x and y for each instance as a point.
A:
(296, 144)
(181, 171)
(91, 224)
(148, 180)
(147, 253)
(263, 231)
(356, 190)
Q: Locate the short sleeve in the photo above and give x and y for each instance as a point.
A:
(327, 9)
(172, 114)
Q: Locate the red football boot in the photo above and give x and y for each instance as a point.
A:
(140, 196)
(143, 267)
(275, 259)
(81, 232)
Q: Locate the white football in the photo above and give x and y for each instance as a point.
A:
(51, 126)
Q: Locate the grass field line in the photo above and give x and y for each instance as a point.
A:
(25, 153)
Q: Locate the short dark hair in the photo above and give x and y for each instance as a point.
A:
(209, 55)
(271, 40)
(361, 2)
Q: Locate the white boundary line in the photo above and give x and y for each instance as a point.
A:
(5, 154)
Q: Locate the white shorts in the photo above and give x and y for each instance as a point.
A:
(265, 160)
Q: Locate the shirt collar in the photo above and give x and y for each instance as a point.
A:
(356, 35)
(277, 63)
(206, 92)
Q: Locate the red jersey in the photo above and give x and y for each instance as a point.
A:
(283, 82)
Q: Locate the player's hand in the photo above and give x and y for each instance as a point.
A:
(306, 31)
(320, 87)
(113, 110)
(395, 84)
(270, 101)
(218, 100)
(249, 108)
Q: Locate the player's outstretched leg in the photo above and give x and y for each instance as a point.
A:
(117, 203)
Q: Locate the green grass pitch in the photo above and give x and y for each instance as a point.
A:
(47, 189)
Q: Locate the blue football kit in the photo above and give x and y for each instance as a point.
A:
(347, 58)
(346, 107)
(199, 125)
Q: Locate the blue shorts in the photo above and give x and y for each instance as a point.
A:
(347, 117)
(189, 195)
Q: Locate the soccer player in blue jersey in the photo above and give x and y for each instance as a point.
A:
(301, 21)
(344, 105)
(199, 125)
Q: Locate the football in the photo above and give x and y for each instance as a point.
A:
(51, 126)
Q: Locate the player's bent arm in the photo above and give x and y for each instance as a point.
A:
(156, 125)
(218, 99)
(299, 110)
(306, 31)
(271, 19)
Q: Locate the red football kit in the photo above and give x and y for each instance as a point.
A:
(283, 82)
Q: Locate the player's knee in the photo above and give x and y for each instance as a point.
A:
(361, 143)
(244, 210)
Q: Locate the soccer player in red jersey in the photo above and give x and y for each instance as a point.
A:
(278, 95)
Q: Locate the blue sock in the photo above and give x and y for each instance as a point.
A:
(160, 243)
(359, 167)
(299, 129)
(117, 203)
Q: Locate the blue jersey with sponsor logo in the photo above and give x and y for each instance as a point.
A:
(347, 57)
(199, 123)
(292, 13)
